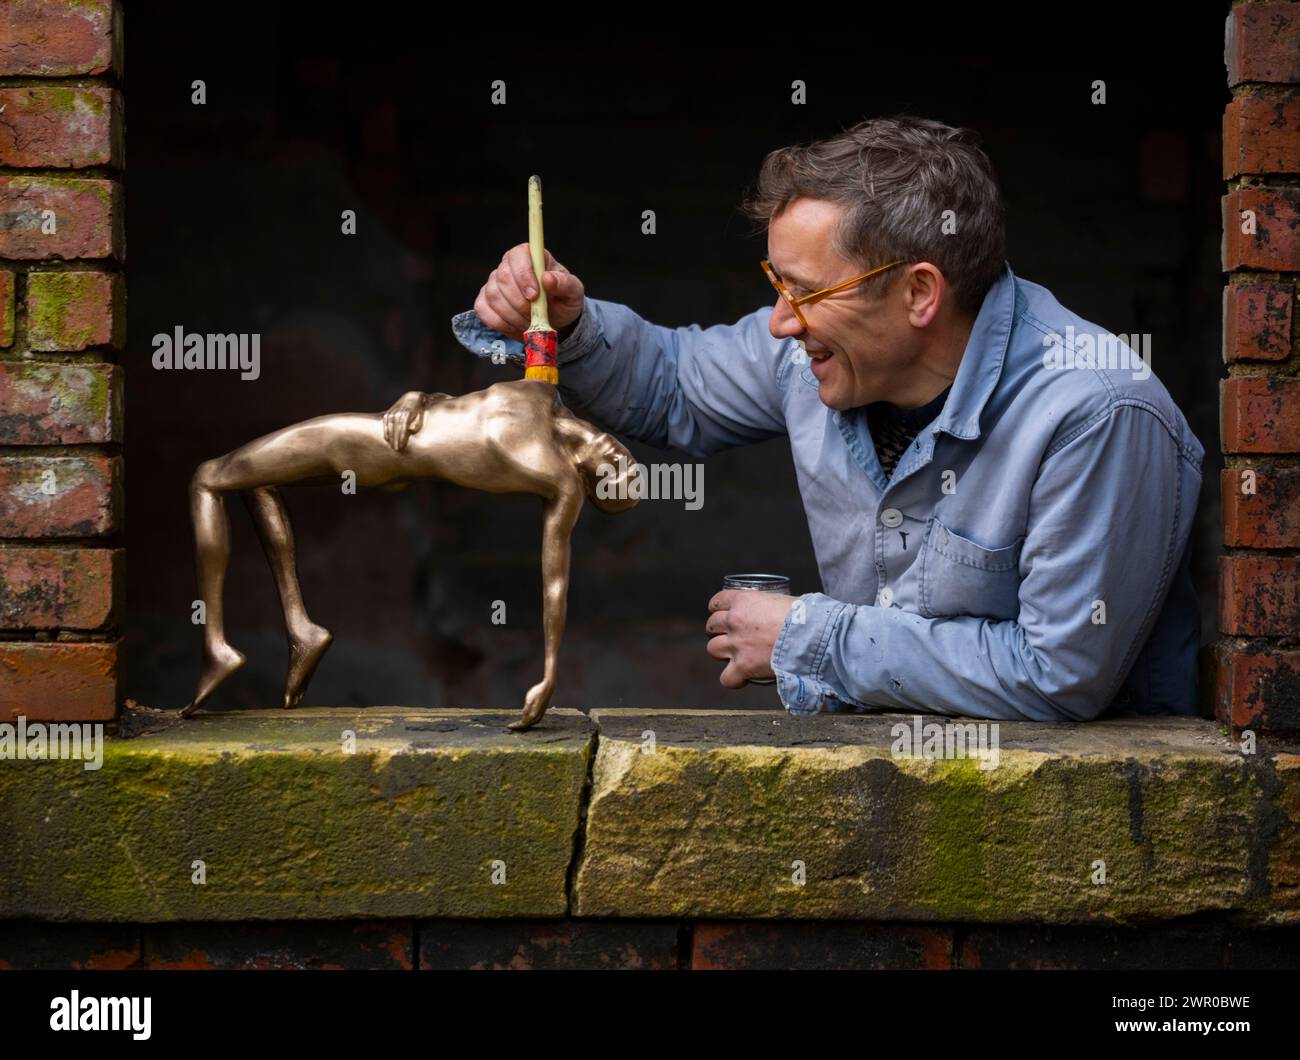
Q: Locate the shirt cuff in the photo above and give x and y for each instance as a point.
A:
(583, 338)
(488, 343)
(800, 658)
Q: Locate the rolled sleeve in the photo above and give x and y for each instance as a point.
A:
(800, 660)
(581, 340)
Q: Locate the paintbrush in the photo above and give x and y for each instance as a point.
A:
(540, 340)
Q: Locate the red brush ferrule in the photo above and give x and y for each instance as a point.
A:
(540, 349)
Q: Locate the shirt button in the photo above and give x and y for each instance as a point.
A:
(891, 517)
(886, 597)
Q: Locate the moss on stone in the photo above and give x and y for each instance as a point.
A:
(287, 825)
(711, 825)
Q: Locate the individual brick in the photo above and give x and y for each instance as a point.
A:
(43, 218)
(1259, 596)
(570, 945)
(59, 38)
(59, 681)
(1263, 43)
(1275, 242)
(1261, 134)
(1260, 414)
(253, 945)
(6, 308)
(823, 945)
(59, 404)
(59, 126)
(27, 945)
(1261, 507)
(1257, 321)
(1272, 950)
(1257, 689)
(60, 588)
(70, 311)
(60, 496)
(1011, 947)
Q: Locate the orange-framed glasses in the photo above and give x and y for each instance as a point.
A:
(816, 296)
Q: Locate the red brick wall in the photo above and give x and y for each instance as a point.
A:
(645, 945)
(1258, 671)
(62, 311)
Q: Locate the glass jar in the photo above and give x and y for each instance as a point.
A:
(763, 583)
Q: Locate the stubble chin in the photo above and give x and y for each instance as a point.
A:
(831, 396)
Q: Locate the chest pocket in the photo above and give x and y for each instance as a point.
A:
(959, 577)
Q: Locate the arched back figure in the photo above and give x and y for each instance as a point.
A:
(512, 437)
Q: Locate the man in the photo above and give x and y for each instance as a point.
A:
(512, 437)
(999, 493)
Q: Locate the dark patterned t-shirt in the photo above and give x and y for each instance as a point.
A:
(894, 428)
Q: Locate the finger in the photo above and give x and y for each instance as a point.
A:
(723, 599)
(520, 270)
(509, 304)
(731, 677)
(717, 623)
(562, 286)
(487, 314)
(720, 647)
(503, 307)
(516, 287)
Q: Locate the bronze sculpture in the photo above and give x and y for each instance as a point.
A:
(512, 437)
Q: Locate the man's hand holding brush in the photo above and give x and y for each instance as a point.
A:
(505, 301)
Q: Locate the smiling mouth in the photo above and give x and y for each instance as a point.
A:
(816, 355)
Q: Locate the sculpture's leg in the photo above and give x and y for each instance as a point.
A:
(212, 552)
(312, 452)
(560, 516)
(307, 641)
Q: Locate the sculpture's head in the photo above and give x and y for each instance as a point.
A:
(608, 473)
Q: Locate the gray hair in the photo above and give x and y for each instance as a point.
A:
(895, 178)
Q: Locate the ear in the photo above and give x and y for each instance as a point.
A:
(925, 292)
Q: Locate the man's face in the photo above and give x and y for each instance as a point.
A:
(860, 349)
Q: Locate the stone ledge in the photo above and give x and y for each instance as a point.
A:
(289, 826)
(711, 822)
(708, 825)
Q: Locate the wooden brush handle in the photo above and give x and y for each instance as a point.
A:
(537, 250)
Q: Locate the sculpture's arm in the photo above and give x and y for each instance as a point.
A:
(561, 514)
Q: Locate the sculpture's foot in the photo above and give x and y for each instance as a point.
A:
(306, 646)
(218, 664)
(535, 704)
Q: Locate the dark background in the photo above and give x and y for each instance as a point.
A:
(233, 215)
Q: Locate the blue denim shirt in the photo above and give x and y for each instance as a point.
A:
(1028, 558)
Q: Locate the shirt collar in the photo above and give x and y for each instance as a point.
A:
(981, 362)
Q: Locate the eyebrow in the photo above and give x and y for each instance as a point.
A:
(797, 281)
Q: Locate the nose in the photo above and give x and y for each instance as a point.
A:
(784, 324)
